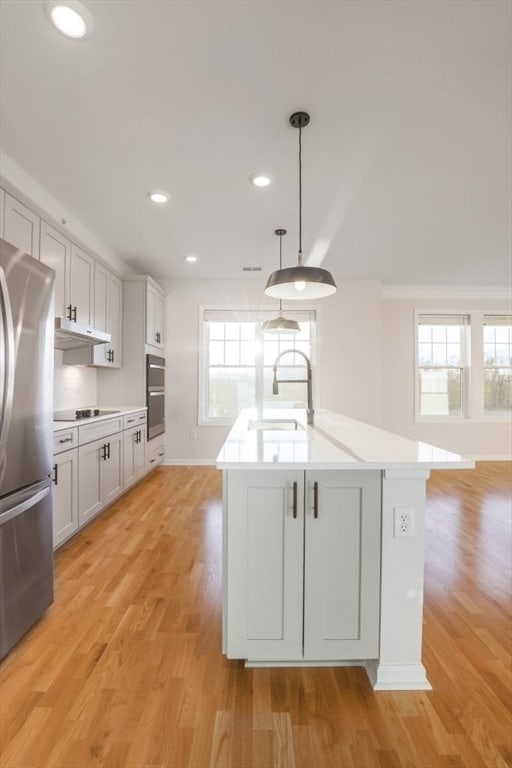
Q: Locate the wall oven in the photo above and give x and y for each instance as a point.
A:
(155, 395)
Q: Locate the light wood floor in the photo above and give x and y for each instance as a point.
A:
(126, 670)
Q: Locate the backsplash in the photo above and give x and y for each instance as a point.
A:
(74, 386)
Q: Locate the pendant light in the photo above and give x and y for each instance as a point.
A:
(300, 282)
(280, 324)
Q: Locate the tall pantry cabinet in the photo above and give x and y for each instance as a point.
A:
(143, 333)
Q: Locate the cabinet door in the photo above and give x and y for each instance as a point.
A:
(65, 496)
(134, 449)
(81, 284)
(264, 579)
(21, 226)
(55, 251)
(100, 303)
(113, 468)
(107, 317)
(342, 565)
(90, 480)
(115, 320)
(154, 317)
(129, 441)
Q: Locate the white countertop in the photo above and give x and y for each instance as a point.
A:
(333, 442)
(118, 410)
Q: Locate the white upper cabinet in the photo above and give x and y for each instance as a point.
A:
(81, 286)
(20, 226)
(155, 316)
(108, 307)
(56, 253)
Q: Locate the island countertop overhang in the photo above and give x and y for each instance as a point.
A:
(335, 441)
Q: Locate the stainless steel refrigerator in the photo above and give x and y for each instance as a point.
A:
(26, 396)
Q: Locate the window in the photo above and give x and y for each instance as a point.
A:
(238, 359)
(442, 362)
(497, 364)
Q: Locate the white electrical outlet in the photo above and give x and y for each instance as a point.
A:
(404, 522)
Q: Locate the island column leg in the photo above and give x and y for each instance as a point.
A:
(399, 666)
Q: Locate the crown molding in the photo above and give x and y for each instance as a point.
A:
(498, 292)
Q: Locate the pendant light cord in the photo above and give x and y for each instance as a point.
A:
(280, 263)
(300, 195)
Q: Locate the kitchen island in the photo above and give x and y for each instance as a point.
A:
(323, 544)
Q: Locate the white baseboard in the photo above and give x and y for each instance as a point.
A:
(495, 457)
(189, 462)
(397, 677)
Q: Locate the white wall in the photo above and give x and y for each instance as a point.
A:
(346, 374)
(478, 437)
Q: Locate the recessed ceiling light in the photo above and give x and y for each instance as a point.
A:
(158, 197)
(191, 259)
(69, 17)
(260, 180)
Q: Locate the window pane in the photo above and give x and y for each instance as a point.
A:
(290, 395)
(232, 353)
(247, 330)
(216, 330)
(232, 330)
(498, 391)
(453, 354)
(439, 354)
(438, 333)
(270, 351)
(230, 390)
(216, 352)
(247, 352)
(441, 392)
(502, 333)
(425, 354)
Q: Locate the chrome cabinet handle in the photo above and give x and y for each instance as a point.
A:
(66, 440)
(295, 499)
(315, 499)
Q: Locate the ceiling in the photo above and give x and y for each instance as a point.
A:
(406, 161)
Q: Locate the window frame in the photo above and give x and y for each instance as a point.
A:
(466, 382)
(239, 314)
(474, 411)
(486, 318)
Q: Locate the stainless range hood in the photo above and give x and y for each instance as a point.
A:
(72, 335)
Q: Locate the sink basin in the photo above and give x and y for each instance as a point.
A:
(279, 424)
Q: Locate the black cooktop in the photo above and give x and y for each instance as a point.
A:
(80, 413)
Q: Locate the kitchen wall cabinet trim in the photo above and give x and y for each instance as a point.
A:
(21, 226)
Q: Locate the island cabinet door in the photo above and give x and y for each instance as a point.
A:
(342, 564)
(265, 546)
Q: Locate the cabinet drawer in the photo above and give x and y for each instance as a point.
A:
(65, 439)
(155, 455)
(98, 429)
(132, 419)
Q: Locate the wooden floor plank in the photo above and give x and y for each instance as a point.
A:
(126, 671)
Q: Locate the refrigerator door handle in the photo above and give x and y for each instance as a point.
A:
(27, 504)
(7, 384)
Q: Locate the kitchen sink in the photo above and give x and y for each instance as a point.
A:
(277, 424)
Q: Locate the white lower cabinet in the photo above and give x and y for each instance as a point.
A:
(134, 448)
(65, 496)
(100, 475)
(301, 565)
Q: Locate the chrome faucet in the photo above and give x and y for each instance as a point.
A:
(308, 381)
